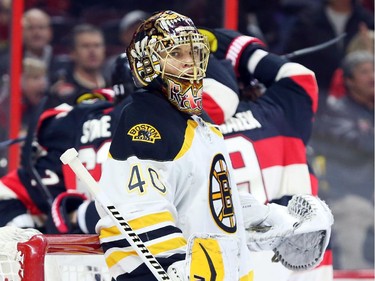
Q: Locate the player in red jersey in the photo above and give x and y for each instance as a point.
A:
(268, 135)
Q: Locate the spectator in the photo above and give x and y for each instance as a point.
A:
(318, 25)
(34, 87)
(127, 26)
(364, 40)
(343, 144)
(85, 72)
(37, 36)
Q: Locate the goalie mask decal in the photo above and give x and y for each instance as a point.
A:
(186, 96)
(221, 203)
(144, 133)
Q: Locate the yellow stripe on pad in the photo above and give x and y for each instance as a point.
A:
(139, 223)
(155, 249)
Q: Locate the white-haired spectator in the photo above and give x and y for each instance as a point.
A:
(34, 86)
(343, 145)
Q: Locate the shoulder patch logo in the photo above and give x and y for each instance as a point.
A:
(145, 133)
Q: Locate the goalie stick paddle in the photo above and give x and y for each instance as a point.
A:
(70, 157)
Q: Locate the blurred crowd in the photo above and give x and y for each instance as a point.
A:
(69, 48)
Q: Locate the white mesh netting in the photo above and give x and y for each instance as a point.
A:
(57, 267)
(10, 258)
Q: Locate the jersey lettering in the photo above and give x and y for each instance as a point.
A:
(156, 181)
(92, 159)
(140, 182)
(50, 178)
(94, 129)
(247, 171)
(240, 122)
(136, 180)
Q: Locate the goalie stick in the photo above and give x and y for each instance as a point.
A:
(69, 157)
(27, 153)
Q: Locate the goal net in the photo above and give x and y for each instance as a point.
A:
(28, 255)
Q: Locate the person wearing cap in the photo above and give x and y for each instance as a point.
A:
(128, 24)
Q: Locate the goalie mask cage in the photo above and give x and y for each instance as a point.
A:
(72, 257)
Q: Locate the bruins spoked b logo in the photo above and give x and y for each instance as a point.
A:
(221, 203)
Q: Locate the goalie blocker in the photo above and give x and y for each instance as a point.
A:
(206, 259)
(298, 234)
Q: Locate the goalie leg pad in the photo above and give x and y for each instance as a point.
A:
(205, 259)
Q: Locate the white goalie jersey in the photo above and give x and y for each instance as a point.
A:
(171, 179)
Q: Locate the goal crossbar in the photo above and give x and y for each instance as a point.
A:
(40, 245)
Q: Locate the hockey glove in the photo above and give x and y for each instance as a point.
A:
(266, 225)
(232, 45)
(305, 248)
(298, 234)
(177, 271)
(64, 205)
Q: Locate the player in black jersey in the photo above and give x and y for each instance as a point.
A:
(26, 194)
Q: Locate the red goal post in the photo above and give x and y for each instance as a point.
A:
(35, 250)
(41, 257)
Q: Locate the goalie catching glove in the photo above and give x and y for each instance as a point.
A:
(298, 234)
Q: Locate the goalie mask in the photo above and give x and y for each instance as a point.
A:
(168, 53)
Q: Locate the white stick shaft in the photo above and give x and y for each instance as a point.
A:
(70, 158)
